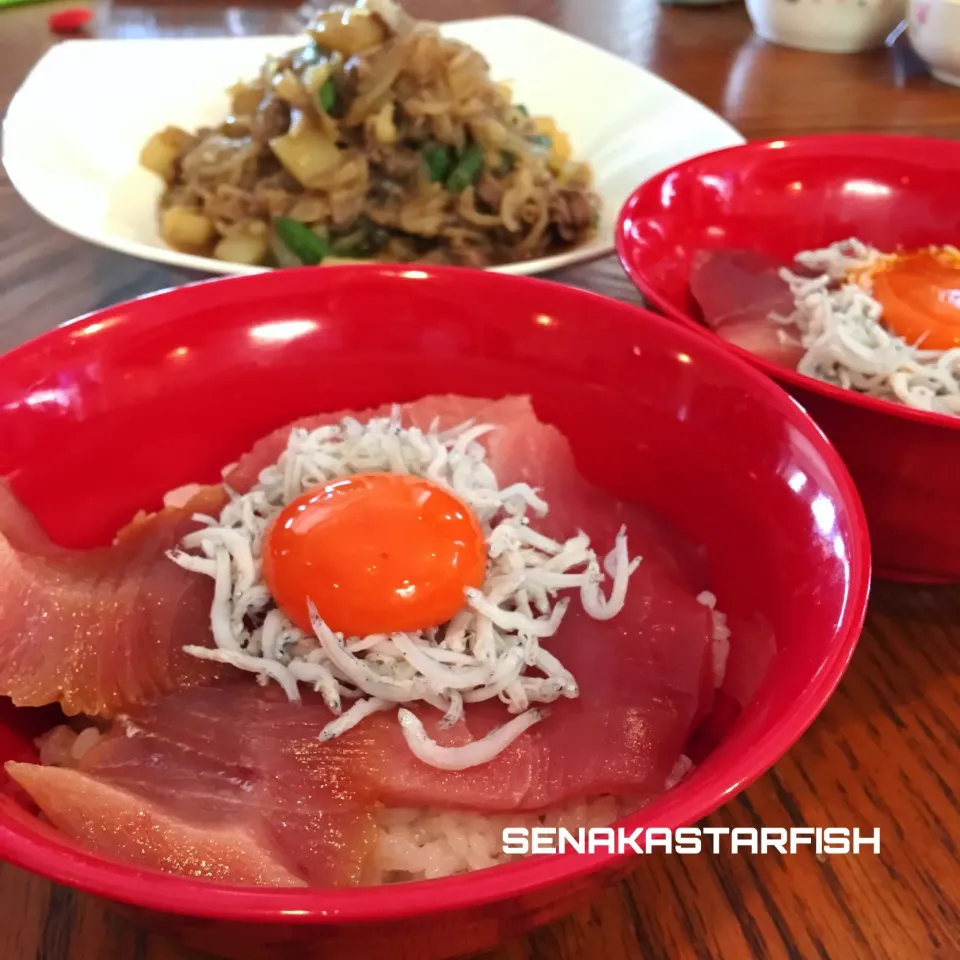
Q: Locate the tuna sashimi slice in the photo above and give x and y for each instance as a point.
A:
(98, 630)
(227, 783)
(129, 827)
(737, 290)
(448, 410)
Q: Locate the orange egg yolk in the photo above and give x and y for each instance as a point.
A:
(920, 296)
(376, 553)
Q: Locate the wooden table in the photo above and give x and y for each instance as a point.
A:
(887, 748)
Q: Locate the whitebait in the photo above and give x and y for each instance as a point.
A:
(492, 648)
(844, 339)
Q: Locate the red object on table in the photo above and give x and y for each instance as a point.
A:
(69, 21)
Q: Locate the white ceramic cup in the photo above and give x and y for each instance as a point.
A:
(828, 26)
(933, 27)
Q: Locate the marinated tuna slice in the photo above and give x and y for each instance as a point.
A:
(737, 291)
(99, 630)
(228, 784)
(447, 411)
(663, 622)
(125, 826)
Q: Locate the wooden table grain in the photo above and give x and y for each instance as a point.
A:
(886, 751)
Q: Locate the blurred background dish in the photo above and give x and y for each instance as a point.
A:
(777, 198)
(827, 26)
(934, 31)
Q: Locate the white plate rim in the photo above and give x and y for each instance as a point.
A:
(600, 247)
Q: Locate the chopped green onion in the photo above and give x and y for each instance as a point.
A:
(467, 169)
(508, 161)
(439, 161)
(541, 140)
(327, 95)
(523, 110)
(301, 241)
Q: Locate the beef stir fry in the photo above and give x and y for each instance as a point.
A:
(376, 139)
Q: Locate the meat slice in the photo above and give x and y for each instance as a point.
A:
(128, 827)
(99, 630)
(449, 411)
(227, 783)
(641, 680)
(655, 656)
(736, 291)
(675, 627)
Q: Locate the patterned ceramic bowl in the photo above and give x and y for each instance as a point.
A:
(934, 32)
(829, 26)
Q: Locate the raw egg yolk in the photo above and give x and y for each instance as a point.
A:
(920, 296)
(376, 553)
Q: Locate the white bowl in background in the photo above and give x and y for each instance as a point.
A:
(74, 130)
(933, 27)
(827, 26)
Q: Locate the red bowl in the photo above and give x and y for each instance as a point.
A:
(102, 416)
(784, 196)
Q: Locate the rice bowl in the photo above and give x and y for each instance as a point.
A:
(498, 328)
(892, 193)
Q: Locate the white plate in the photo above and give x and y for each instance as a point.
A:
(75, 128)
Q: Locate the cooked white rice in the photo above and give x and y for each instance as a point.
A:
(720, 649)
(428, 844)
(846, 343)
(424, 844)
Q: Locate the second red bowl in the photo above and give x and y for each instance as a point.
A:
(783, 196)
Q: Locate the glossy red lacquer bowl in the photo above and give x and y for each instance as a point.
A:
(102, 416)
(784, 196)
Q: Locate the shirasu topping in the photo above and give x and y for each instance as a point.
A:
(846, 343)
(492, 648)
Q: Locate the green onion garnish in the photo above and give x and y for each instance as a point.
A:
(327, 95)
(467, 169)
(439, 161)
(301, 241)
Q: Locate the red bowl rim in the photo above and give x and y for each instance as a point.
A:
(177, 895)
(901, 145)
